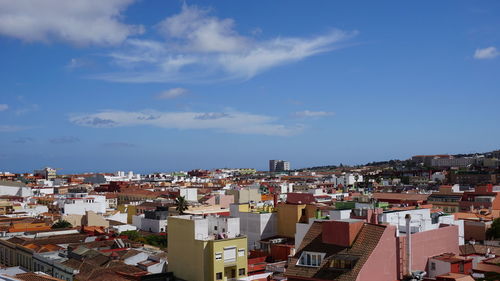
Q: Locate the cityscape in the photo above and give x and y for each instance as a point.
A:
(432, 217)
(283, 140)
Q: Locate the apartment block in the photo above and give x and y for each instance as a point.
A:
(206, 249)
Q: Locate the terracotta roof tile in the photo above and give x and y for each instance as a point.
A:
(365, 243)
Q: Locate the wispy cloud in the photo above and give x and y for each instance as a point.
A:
(486, 53)
(64, 140)
(230, 122)
(3, 107)
(12, 128)
(75, 63)
(23, 140)
(27, 108)
(79, 22)
(172, 93)
(316, 114)
(199, 47)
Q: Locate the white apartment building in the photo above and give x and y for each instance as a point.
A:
(256, 225)
(421, 220)
(79, 203)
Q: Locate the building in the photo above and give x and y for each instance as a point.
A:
(12, 188)
(449, 263)
(452, 162)
(447, 199)
(289, 214)
(46, 173)
(427, 159)
(245, 194)
(256, 222)
(483, 197)
(351, 249)
(77, 203)
(409, 199)
(278, 166)
(206, 249)
(152, 221)
(422, 220)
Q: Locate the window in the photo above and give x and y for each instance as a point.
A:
(218, 276)
(218, 256)
(311, 259)
(461, 269)
(343, 262)
(241, 252)
(433, 266)
(230, 254)
(241, 271)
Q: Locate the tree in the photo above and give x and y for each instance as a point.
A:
(131, 234)
(181, 204)
(62, 224)
(356, 178)
(494, 231)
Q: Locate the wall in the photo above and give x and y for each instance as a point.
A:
(190, 194)
(217, 246)
(93, 219)
(245, 195)
(290, 214)
(432, 243)
(75, 220)
(382, 264)
(186, 253)
(475, 230)
(131, 211)
(441, 268)
(341, 233)
(256, 226)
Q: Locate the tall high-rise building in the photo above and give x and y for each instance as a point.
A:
(278, 166)
(47, 173)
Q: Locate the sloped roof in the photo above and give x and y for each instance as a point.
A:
(31, 276)
(479, 250)
(400, 196)
(365, 243)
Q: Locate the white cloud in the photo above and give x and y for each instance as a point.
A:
(230, 122)
(308, 113)
(201, 32)
(80, 22)
(200, 47)
(172, 93)
(486, 53)
(3, 107)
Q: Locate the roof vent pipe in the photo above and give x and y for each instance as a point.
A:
(408, 243)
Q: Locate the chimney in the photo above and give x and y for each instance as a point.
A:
(341, 232)
(408, 243)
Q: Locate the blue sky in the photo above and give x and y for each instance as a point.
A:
(171, 85)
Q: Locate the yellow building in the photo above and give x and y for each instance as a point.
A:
(206, 249)
(245, 195)
(130, 210)
(290, 214)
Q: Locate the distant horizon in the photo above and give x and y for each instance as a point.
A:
(179, 85)
(263, 169)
